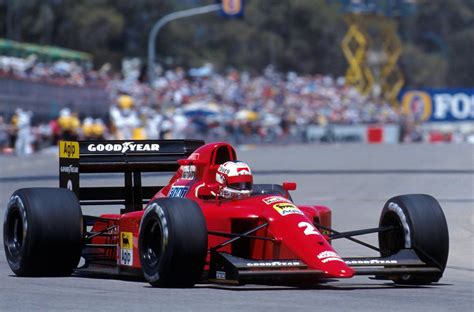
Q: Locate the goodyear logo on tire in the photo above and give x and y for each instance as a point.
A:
(286, 209)
(68, 149)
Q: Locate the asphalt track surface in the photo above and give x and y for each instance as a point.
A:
(354, 180)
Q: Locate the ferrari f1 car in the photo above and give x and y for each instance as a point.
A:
(182, 233)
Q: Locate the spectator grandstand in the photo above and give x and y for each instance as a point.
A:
(201, 103)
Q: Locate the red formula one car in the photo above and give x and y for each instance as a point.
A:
(186, 231)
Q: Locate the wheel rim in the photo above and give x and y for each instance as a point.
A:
(152, 243)
(15, 232)
(394, 240)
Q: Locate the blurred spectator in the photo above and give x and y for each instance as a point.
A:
(93, 129)
(203, 104)
(153, 123)
(3, 135)
(245, 108)
(25, 139)
(59, 72)
(125, 119)
(69, 125)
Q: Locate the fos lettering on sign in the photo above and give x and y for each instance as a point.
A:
(439, 104)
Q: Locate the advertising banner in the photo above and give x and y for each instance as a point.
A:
(439, 105)
(232, 8)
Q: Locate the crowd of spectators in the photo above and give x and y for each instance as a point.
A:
(201, 103)
(61, 72)
(266, 107)
(306, 98)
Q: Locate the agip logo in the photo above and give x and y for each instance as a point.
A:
(126, 240)
(417, 104)
(68, 149)
(286, 209)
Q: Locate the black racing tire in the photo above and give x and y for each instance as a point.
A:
(43, 232)
(421, 225)
(172, 243)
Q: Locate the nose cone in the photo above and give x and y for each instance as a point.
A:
(338, 269)
(333, 265)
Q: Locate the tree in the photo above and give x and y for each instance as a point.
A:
(438, 44)
(292, 35)
(423, 69)
(460, 58)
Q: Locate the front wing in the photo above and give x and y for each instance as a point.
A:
(228, 269)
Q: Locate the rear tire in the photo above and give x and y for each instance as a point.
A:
(43, 232)
(173, 243)
(421, 225)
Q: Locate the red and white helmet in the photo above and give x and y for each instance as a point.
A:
(235, 180)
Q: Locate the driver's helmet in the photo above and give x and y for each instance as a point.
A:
(235, 180)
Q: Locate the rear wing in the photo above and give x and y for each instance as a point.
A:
(128, 157)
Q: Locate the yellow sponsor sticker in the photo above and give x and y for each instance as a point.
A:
(126, 240)
(286, 209)
(68, 149)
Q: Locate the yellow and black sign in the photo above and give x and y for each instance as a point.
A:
(68, 149)
(126, 240)
(372, 49)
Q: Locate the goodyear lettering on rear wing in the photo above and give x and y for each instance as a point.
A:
(123, 147)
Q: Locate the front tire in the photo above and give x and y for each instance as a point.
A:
(173, 242)
(421, 225)
(43, 232)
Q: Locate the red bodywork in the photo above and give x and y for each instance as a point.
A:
(291, 226)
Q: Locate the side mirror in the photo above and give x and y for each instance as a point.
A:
(289, 186)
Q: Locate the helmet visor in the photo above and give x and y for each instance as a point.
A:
(241, 186)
